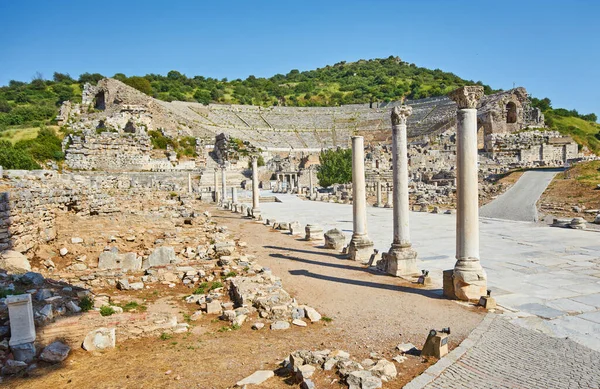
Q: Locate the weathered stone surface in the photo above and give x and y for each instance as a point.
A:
(280, 325)
(335, 239)
(305, 371)
(14, 262)
(13, 367)
(160, 256)
(256, 378)
(100, 339)
(299, 323)
(55, 352)
(312, 314)
(24, 352)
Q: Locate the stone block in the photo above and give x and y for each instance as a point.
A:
(335, 239)
(14, 262)
(313, 232)
(20, 312)
(100, 339)
(55, 352)
(161, 256)
(448, 284)
(24, 352)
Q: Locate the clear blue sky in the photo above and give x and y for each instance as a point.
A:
(550, 47)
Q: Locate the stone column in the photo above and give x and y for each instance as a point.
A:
(234, 197)
(360, 247)
(401, 259)
(189, 183)
(379, 202)
(388, 201)
(310, 182)
(255, 192)
(217, 197)
(224, 184)
(469, 279)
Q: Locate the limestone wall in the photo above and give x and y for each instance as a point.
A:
(30, 200)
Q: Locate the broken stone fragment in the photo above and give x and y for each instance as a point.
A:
(312, 314)
(55, 352)
(280, 325)
(256, 378)
(100, 339)
(335, 239)
(299, 323)
(14, 262)
(257, 326)
(63, 251)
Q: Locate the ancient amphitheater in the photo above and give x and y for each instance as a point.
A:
(286, 128)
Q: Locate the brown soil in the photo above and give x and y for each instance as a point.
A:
(370, 313)
(577, 187)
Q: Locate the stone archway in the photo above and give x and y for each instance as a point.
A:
(99, 101)
(511, 112)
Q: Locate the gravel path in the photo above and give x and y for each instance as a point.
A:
(519, 202)
(504, 355)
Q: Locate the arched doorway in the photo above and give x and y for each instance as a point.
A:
(511, 112)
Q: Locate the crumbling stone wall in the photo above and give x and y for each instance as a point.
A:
(30, 201)
(532, 148)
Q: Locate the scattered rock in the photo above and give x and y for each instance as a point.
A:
(55, 352)
(63, 251)
(100, 339)
(406, 348)
(312, 314)
(280, 325)
(14, 262)
(258, 326)
(75, 240)
(299, 323)
(13, 367)
(256, 378)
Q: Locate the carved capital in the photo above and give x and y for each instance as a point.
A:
(400, 114)
(467, 96)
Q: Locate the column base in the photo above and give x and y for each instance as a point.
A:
(256, 214)
(360, 249)
(399, 262)
(470, 280)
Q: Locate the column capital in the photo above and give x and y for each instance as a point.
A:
(254, 158)
(400, 114)
(467, 97)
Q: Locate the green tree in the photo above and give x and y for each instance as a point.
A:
(336, 167)
(139, 83)
(62, 77)
(13, 158)
(91, 78)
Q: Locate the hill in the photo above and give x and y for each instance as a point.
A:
(24, 107)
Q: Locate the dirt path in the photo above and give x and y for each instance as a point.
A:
(377, 311)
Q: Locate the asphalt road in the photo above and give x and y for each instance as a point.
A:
(519, 202)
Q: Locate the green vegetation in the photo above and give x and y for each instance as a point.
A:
(133, 306)
(86, 303)
(182, 146)
(363, 81)
(165, 336)
(326, 319)
(230, 274)
(587, 173)
(107, 310)
(582, 128)
(584, 132)
(9, 292)
(336, 167)
(29, 153)
(260, 161)
(205, 287)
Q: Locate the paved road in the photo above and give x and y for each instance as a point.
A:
(550, 277)
(503, 355)
(519, 202)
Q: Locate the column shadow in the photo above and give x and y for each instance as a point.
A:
(430, 293)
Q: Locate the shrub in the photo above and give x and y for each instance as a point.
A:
(14, 158)
(86, 303)
(107, 310)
